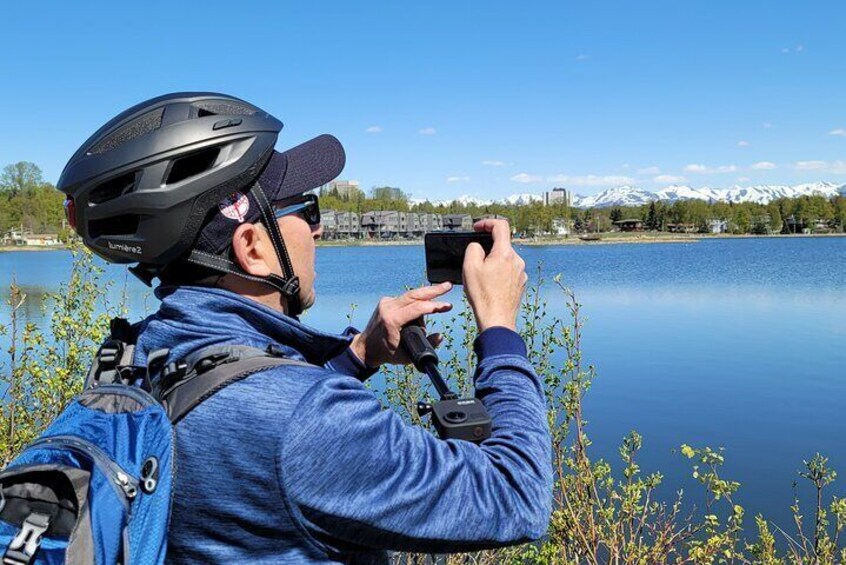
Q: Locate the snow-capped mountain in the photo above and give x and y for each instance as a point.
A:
(464, 200)
(617, 196)
(633, 196)
(761, 194)
(521, 199)
(683, 192)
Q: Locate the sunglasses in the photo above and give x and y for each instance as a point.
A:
(305, 205)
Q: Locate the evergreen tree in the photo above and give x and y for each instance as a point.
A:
(616, 214)
(652, 222)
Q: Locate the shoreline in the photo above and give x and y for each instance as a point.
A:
(606, 239)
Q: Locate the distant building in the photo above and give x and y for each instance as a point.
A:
(431, 222)
(681, 228)
(27, 238)
(717, 226)
(557, 196)
(629, 225)
(793, 224)
(345, 188)
(458, 222)
(385, 224)
(348, 225)
(329, 221)
(560, 226)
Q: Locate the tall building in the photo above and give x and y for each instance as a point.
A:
(557, 196)
(345, 188)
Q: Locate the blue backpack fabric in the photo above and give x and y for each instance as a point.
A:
(96, 487)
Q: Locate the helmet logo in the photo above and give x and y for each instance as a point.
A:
(235, 206)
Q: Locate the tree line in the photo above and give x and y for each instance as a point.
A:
(28, 201)
(694, 215)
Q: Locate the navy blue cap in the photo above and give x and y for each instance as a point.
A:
(295, 171)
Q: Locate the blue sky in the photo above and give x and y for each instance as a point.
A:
(450, 98)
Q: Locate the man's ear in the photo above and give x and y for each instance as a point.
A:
(250, 246)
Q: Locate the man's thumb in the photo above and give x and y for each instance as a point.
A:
(473, 256)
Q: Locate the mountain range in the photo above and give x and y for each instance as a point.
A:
(633, 196)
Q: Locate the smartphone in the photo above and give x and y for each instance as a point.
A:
(445, 253)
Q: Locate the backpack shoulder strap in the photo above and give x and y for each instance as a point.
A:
(114, 356)
(187, 383)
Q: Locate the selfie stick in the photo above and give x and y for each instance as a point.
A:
(453, 417)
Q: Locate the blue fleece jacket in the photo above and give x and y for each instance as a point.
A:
(301, 464)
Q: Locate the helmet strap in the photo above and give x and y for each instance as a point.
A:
(287, 285)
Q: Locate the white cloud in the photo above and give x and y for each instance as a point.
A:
(493, 163)
(743, 143)
(427, 131)
(649, 171)
(591, 180)
(458, 179)
(669, 178)
(839, 131)
(581, 57)
(526, 178)
(374, 129)
(763, 166)
(742, 179)
(811, 165)
(834, 167)
(625, 165)
(786, 50)
(800, 48)
(696, 168)
(767, 125)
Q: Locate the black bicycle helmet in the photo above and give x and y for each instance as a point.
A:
(157, 184)
(140, 189)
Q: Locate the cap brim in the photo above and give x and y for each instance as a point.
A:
(304, 167)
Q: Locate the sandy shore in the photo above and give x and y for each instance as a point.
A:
(32, 248)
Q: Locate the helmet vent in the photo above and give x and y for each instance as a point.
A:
(229, 109)
(126, 224)
(191, 165)
(111, 189)
(139, 126)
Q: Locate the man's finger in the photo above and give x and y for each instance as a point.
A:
(421, 308)
(499, 230)
(428, 292)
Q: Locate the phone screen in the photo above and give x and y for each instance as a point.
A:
(445, 253)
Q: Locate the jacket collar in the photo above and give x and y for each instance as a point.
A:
(226, 317)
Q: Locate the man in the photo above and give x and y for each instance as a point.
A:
(300, 464)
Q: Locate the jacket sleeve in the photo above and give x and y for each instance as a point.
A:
(356, 475)
(348, 363)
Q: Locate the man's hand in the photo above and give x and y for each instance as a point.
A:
(379, 343)
(494, 284)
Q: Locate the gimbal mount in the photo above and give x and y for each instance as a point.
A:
(453, 417)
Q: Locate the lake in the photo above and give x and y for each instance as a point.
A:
(739, 343)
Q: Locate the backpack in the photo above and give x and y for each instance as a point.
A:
(97, 486)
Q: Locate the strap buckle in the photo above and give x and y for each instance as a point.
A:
(291, 287)
(22, 549)
(110, 354)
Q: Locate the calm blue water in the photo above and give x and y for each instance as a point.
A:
(733, 343)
